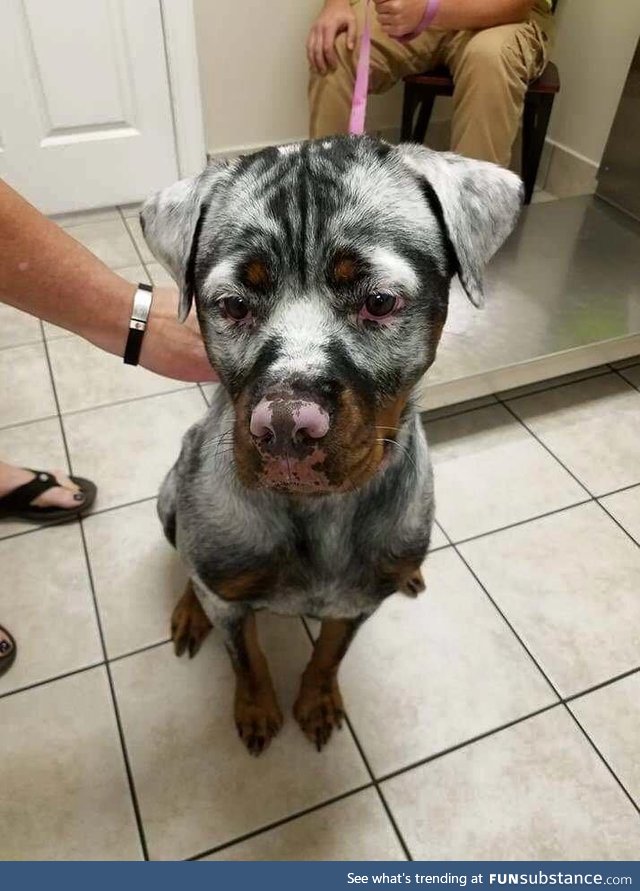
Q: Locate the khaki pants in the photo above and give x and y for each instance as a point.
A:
(490, 69)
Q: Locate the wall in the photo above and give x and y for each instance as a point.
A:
(254, 73)
(594, 46)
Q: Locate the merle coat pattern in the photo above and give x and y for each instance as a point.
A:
(293, 257)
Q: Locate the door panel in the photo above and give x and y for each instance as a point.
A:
(85, 111)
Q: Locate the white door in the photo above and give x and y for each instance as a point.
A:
(85, 110)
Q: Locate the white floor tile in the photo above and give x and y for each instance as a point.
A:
(569, 585)
(197, 785)
(423, 675)
(87, 377)
(625, 507)
(159, 275)
(17, 328)
(490, 472)
(47, 605)
(109, 240)
(611, 717)
(127, 449)
(64, 789)
(133, 225)
(535, 791)
(137, 575)
(131, 210)
(38, 446)
(135, 274)
(435, 414)
(355, 828)
(25, 385)
(593, 427)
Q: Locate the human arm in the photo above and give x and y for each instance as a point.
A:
(47, 273)
(335, 17)
(399, 17)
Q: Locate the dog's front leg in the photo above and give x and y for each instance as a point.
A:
(318, 708)
(257, 713)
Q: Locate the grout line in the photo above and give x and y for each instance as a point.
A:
(549, 513)
(592, 497)
(619, 372)
(185, 387)
(359, 747)
(51, 680)
(602, 758)
(26, 423)
(613, 680)
(468, 742)
(17, 346)
(282, 822)
(116, 710)
(138, 650)
(554, 383)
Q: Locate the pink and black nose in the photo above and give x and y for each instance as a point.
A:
(288, 425)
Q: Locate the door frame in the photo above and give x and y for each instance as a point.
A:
(179, 27)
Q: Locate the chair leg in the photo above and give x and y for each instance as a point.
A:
(409, 102)
(424, 116)
(535, 121)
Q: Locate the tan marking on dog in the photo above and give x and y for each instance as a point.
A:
(345, 269)
(189, 623)
(319, 708)
(256, 711)
(248, 585)
(257, 275)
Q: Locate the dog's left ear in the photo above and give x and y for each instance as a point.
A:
(480, 205)
(171, 221)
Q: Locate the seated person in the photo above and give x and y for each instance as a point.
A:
(493, 49)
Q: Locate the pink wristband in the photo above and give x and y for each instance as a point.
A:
(429, 14)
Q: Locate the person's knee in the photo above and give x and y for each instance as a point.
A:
(493, 54)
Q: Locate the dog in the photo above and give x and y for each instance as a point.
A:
(320, 273)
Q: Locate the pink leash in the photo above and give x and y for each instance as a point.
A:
(361, 87)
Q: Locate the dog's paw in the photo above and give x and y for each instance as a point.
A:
(318, 709)
(258, 721)
(189, 624)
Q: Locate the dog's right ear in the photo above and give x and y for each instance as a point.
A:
(171, 220)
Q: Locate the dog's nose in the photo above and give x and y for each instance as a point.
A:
(284, 421)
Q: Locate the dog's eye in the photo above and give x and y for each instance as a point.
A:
(235, 308)
(378, 306)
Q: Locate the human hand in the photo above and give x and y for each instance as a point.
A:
(399, 17)
(172, 348)
(336, 16)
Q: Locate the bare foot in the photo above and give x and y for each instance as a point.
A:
(66, 495)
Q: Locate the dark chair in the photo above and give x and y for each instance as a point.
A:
(420, 91)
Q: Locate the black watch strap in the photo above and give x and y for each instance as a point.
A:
(138, 323)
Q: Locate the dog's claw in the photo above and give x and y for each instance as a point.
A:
(257, 723)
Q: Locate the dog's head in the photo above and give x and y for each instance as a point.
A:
(321, 276)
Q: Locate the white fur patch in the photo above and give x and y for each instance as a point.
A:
(289, 149)
(220, 275)
(302, 326)
(393, 268)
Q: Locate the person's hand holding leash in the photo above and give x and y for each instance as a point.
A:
(399, 17)
(336, 16)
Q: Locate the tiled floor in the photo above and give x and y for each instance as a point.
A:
(496, 716)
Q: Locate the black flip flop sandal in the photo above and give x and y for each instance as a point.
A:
(8, 650)
(17, 504)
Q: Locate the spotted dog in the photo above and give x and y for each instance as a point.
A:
(320, 274)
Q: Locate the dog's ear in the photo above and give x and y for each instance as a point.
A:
(480, 204)
(171, 221)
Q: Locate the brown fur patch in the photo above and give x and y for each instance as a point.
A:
(248, 585)
(318, 708)
(256, 275)
(256, 711)
(405, 574)
(345, 269)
